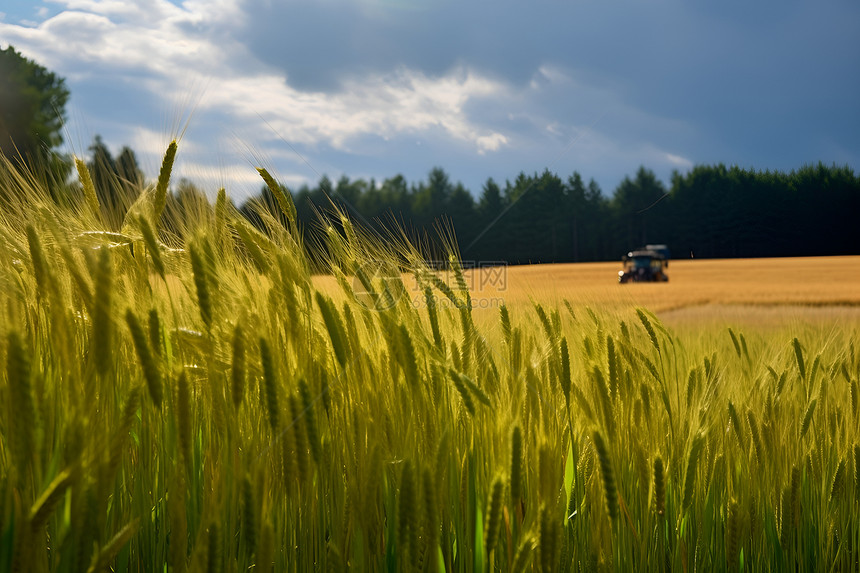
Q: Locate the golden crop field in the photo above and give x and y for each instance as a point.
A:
(756, 293)
(806, 281)
(190, 397)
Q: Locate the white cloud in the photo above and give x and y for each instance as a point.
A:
(679, 161)
(166, 48)
(184, 57)
(491, 142)
(386, 105)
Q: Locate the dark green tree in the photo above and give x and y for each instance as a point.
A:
(128, 171)
(711, 211)
(491, 204)
(431, 198)
(588, 213)
(32, 112)
(489, 233)
(638, 211)
(186, 205)
(118, 182)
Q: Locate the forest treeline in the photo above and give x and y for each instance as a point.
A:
(709, 212)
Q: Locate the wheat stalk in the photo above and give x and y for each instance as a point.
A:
(238, 366)
(249, 516)
(607, 474)
(659, 486)
(90, 195)
(22, 411)
(334, 327)
(807, 417)
(201, 281)
(690, 474)
(150, 368)
(407, 531)
(494, 515)
(270, 384)
(102, 333)
(42, 509)
(310, 420)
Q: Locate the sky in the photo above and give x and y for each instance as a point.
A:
(373, 88)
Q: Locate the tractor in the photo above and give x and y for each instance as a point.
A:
(647, 264)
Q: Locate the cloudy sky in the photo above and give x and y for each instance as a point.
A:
(372, 88)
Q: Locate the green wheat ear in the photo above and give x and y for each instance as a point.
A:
(659, 486)
(516, 475)
(690, 474)
(733, 531)
(334, 326)
(150, 368)
(90, 195)
(266, 552)
(41, 270)
(249, 515)
(163, 182)
(48, 501)
(607, 474)
(214, 555)
(119, 439)
(460, 385)
(649, 328)
(22, 414)
(431, 517)
(505, 319)
(836, 488)
(201, 281)
(565, 371)
(310, 420)
(301, 441)
(270, 384)
(407, 531)
(221, 217)
(550, 532)
(798, 355)
(807, 417)
(736, 425)
(285, 203)
(433, 314)
(102, 331)
(152, 246)
(494, 515)
(613, 364)
(109, 551)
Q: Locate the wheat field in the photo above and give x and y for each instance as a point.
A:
(802, 281)
(197, 396)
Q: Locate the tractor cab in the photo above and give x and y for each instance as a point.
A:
(644, 265)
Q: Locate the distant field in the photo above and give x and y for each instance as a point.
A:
(762, 293)
(814, 287)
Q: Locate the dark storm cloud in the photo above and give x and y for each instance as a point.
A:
(740, 73)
